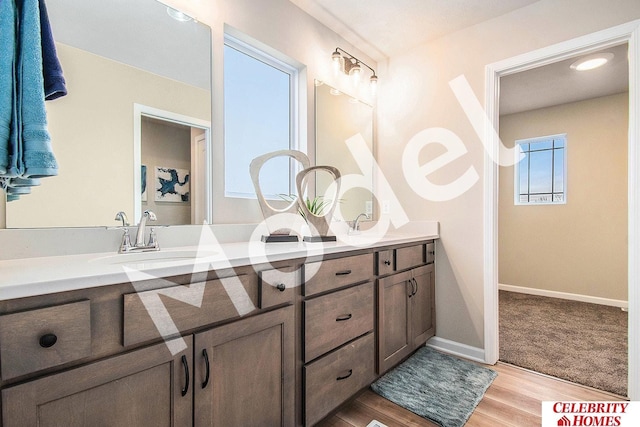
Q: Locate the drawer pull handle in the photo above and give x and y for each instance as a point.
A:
(185, 365)
(343, 273)
(281, 287)
(387, 262)
(343, 317)
(344, 377)
(206, 364)
(48, 340)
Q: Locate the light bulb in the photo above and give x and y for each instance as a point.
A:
(355, 72)
(373, 84)
(335, 58)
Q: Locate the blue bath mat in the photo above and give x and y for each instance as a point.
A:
(438, 387)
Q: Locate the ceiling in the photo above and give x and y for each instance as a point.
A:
(383, 28)
(557, 83)
(380, 28)
(139, 33)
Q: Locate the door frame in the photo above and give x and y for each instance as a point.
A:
(625, 33)
(139, 111)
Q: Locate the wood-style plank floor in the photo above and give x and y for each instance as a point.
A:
(514, 399)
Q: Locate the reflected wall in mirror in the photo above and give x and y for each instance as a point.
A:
(341, 118)
(115, 55)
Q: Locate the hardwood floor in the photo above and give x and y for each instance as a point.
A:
(513, 399)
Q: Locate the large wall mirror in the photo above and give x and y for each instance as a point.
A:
(139, 99)
(341, 121)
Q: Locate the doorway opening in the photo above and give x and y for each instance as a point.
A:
(172, 166)
(628, 33)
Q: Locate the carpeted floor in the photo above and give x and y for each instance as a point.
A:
(580, 342)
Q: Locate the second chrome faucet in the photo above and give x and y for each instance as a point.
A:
(140, 245)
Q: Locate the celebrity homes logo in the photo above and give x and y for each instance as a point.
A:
(590, 414)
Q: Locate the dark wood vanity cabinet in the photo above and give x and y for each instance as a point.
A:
(146, 387)
(244, 372)
(239, 372)
(406, 307)
(280, 346)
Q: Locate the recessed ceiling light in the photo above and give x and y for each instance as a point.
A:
(592, 61)
(177, 15)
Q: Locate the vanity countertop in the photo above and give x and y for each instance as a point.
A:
(27, 277)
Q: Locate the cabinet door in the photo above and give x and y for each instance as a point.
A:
(394, 339)
(144, 387)
(422, 305)
(244, 373)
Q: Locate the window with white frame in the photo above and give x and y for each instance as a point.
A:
(541, 175)
(259, 117)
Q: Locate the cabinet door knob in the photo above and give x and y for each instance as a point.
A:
(343, 317)
(207, 368)
(185, 365)
(48, 340)
(344, 377)
(281, 287)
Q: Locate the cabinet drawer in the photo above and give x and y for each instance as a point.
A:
(384, 262)
(333, 319)
(331, 274)
(39, 339)
(409, 257)
(277, 287)
(165, 312)
(331, 380)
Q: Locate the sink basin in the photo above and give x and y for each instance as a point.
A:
(156, 257)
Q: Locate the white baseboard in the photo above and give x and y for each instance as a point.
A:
(457, 349)
(564, 295)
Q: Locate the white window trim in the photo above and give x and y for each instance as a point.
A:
(516, 170)
(294, 114)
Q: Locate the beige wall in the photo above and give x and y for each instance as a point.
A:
(92, 137)
(415, 95)
(579, 247)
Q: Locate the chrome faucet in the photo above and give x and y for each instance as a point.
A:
(356, 223)
(121, 216)
(146, 216)
(140, 245)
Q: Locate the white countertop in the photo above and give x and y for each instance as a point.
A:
(50, 274)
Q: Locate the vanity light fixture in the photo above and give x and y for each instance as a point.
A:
(352, 66)
(590, 62)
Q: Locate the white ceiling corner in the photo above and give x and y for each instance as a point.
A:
(381, 28)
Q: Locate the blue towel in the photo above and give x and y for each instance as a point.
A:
(37, 156)
(54, 83)
(7, 80)
(25, 147)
